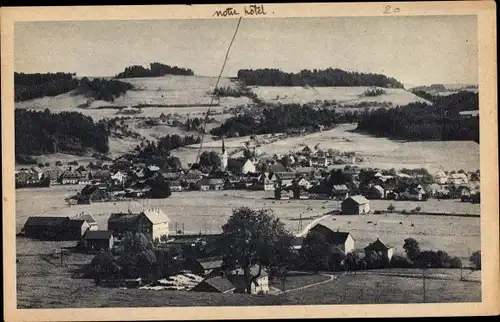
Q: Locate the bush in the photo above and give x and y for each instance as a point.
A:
(374, 92)
(475, 259)
(455, 262)
(400, 262)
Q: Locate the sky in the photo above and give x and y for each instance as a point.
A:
(416, 50)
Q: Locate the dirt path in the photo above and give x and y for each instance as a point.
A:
(330, 279)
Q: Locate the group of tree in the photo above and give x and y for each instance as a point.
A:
(209, 160)
(424, 122)
(316, 77)
(236, 92)
(428, 258)
(30, 86)
(155, 70)
(156, 152)
(103, 89)
(281, 119)
(138, 259)
(45, 132)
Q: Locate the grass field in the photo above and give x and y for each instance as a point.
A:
(363, 289)
(349, 95)
(44, 284)
(209, 210)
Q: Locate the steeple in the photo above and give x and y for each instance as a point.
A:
(223, 157)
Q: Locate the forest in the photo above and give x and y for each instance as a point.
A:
(282, 119)
(326, 77)
(155, 70)
(70, 132)
(103, 89)
(160, 151)
(422, 122)
(30, 86)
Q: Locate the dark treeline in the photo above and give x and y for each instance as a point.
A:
(30, 86)
(326, 77)
(282, 118)
(103, 89)
(43, 132)
(155, 70)
(161, 149)
(422, 122)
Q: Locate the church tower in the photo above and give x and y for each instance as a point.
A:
(223, 157)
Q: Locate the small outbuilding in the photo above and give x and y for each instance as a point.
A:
(98, 239)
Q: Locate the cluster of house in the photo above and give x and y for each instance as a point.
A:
(70, 175)
(154, 223)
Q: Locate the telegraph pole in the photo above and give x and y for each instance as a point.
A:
(423, 285)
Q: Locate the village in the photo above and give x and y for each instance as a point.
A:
(304, 174)
(196, 262)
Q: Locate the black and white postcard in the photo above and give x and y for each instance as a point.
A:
(250, 161)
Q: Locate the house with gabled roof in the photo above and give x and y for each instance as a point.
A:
(355, 205)
(285, 179)
(72, 177)
(340, 192)
(93, 226)
(154, 223)
(205, 266)
(380, 249)
(329, 229)
(98, 240)
(217, 284)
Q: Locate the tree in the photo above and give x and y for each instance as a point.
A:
(253, 237)
(317, 251)
(138, 259)
(455, 262)
(475, 259)
(412, 249)
(352, 261)
(210, 160)
(103, 265)
(58, 163)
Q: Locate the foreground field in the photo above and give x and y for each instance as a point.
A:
(45, 284)
(209, 210)
(374, 288)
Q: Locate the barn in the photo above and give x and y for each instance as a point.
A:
(355, 205)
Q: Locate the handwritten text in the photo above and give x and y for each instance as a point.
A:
(252, 10)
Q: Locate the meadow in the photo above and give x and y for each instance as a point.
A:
(207, 211)
(342, 95)
(45, 284)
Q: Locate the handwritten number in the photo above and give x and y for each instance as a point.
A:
(389, 9)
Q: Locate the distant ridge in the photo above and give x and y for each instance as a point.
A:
(155, 70)
(316, 77)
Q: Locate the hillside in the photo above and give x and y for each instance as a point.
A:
(376, 151)
(342, 95)
(445, 89)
